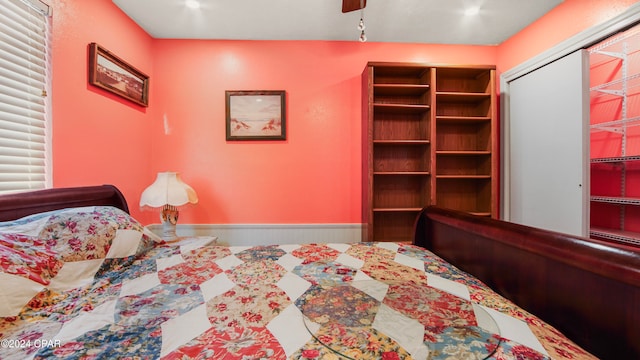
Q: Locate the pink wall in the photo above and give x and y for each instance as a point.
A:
(564, 21)
(98, 138)
(312, 177)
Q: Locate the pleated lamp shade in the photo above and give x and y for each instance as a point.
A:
(168, 189)
(170, 193)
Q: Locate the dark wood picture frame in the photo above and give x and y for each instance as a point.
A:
(256, 115)
(109, 72)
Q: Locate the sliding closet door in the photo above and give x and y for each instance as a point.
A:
(549, 146)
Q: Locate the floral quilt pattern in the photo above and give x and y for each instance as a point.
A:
(75, 238)
(39, 266)
(304, 301)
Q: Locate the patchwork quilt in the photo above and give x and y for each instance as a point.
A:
(91, 283)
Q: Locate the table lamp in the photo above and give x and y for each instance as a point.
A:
(168, 192)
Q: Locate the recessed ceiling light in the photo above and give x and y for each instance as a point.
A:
(192, 4)
(471, 11)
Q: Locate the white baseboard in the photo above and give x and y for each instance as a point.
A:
(271, 234)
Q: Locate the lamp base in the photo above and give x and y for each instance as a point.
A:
(169, 218)
(168, 231)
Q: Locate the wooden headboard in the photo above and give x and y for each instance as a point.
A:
(15, 206)
(587, 289)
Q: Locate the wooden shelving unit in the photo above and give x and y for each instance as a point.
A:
(428, 138)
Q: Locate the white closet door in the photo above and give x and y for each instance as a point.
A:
(549, 146)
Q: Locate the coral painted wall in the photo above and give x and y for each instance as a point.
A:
(312, 177)
(566, 20)
(98, 138)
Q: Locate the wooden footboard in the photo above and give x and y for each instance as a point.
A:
(587, 289)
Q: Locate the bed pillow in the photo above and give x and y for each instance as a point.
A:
(87, 233)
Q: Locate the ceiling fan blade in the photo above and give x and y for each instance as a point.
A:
(352, 5)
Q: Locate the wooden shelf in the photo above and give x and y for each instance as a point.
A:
(462, 152)
(401, 89)
(429, 137)
(402, 142)
(400, 73)
(402, 108)
(463, 119)
(401, 173)
(463, 176)
(462, 96)
(397, 209)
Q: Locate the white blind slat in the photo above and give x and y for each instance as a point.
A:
(31, 126)
(19, 87)
(12, 187)
(24, 81)
(19, 168)
(33, 142)
(23, 39)
(18, 103)
(22, 157)
(26, 106)
(31, 69)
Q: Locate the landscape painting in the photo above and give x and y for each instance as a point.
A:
(255, 115)
(109, 72)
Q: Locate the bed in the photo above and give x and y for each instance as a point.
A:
(587, 289)
(81, 279)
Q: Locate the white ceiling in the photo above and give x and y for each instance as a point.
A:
(407, 21)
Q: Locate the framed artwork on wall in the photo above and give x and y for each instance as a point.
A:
(111, 73)
(256, 115)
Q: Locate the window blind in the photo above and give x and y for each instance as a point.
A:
(24, 84)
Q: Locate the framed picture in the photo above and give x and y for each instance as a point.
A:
(113, 74)
(256, 115)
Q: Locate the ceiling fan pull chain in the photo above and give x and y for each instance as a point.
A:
(361, 26)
